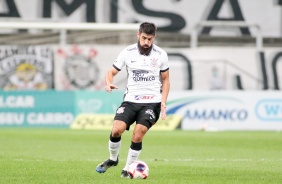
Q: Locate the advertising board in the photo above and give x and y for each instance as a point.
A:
(37, 109)
(227, 110)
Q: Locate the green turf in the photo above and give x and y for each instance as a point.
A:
(71, 156)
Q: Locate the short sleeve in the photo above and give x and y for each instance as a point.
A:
(164, 65)
(120, 61)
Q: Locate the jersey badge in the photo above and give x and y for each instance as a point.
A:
(120, 110)
(151, 113)
(154, 62)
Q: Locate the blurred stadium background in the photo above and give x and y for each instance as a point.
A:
(226, 78)
(224, 61)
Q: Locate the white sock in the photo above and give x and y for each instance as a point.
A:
(131, 157)
(114, 149)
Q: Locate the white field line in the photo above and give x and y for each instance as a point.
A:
(157, 160)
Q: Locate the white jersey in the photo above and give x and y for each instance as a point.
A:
(143, 73)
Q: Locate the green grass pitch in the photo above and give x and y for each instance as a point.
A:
(71, 156)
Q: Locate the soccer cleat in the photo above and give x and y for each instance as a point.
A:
(101, 168)
(124, 174)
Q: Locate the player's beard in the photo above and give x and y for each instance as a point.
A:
(145, 49)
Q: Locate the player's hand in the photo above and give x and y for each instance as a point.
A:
(163, 111)
(110, 87)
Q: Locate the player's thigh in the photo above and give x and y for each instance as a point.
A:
(126, 113)
(149, 115)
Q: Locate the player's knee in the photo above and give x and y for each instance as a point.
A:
(116, 132)
(118, 129)
(137, 137)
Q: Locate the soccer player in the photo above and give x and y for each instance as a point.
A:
(145, 97)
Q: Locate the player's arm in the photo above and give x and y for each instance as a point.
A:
(110, 78)
(165, 91)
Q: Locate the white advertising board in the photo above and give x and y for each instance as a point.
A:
(228, 110)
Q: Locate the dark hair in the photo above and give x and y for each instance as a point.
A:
(148, 28)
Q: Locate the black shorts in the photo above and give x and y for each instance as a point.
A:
(146, 114)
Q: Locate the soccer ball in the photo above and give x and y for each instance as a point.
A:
(138, 170)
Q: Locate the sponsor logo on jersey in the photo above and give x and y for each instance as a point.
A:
(140, 75)
(133, 61)
(139, 97)
(140, 72)
(139, 78)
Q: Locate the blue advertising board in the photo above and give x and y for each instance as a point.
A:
(37, 108)
(53, 108)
